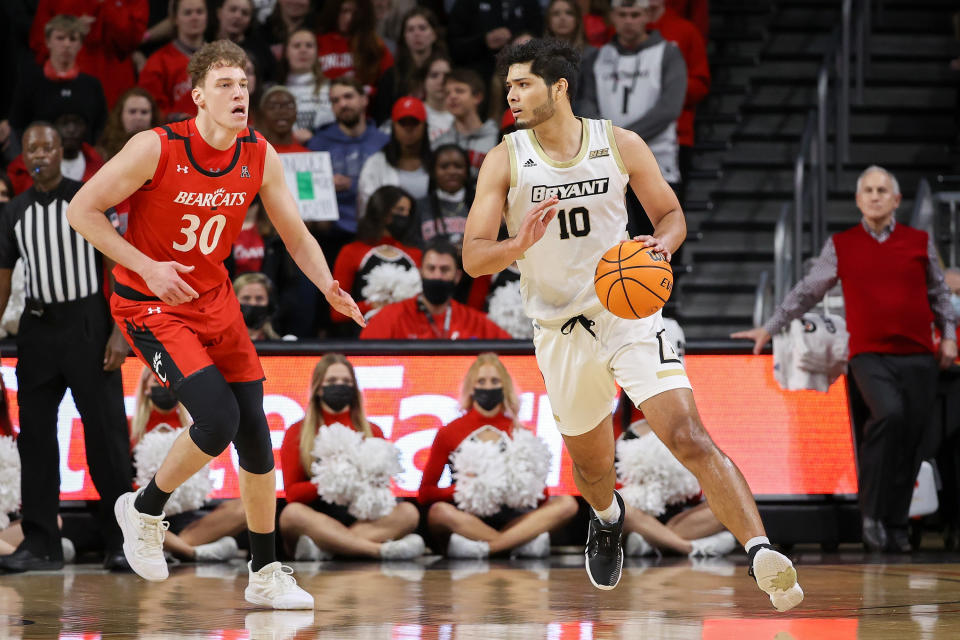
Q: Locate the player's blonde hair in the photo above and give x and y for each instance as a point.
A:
(215, 55)
(144, 407)
(511, 401)
(313, 420)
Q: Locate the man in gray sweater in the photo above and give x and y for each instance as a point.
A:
(638, 81)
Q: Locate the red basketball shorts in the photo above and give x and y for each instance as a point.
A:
(178, 341)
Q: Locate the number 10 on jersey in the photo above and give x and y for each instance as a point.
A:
(576, 222)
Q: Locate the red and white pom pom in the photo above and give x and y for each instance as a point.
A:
(336, 468)
(527, 465)
(9, 479)
(479, 474)
(506, 309)
(652, 478)
(390, 282)
(150, 453)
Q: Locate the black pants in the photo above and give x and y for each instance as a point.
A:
(64, 348)
(899, 392)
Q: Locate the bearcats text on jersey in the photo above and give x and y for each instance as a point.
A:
(219, 198)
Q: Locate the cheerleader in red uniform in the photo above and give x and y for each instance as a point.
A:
(491, 404)
(312, 528)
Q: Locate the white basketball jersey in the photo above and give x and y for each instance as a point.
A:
(556, 273)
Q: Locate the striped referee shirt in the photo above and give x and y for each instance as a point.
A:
(59, 264)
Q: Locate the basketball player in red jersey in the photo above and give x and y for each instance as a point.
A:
(189, 185)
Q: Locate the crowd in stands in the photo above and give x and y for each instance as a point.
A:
(402, 95)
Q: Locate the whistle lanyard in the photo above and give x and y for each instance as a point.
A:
(433, 324)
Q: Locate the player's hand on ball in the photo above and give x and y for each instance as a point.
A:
(535, 223)
(163, 279)
(656, 244)
(343, 302)
(760, 337)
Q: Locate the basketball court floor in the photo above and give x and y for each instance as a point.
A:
(849, 596)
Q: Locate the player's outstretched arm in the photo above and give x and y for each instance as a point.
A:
(302, 246)
(656, 196)
(482, 253)
(116, 181)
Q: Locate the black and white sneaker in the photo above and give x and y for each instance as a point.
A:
(604, 555)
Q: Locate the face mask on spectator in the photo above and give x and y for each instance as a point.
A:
(337, 396)
(398, 226)
(438, 291)
(162, 398)
(255, 315)
(488, 399)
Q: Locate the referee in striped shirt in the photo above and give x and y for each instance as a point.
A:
(66, 339)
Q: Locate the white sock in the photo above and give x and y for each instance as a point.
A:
(752, 542)
(611, 514)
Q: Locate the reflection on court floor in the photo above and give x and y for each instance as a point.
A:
(435, 599)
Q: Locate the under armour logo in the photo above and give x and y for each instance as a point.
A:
(152, 310)
(529, 163)
(158, 368)
(182, 168)
(244, 172)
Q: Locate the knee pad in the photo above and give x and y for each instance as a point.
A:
(211, 403)
(253, 443)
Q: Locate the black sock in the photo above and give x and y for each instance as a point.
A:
(263, 549)
(151, 500)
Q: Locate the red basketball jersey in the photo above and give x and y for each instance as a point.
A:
(192, 210)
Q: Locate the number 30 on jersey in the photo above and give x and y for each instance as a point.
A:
(209, 235)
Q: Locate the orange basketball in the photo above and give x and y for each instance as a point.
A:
(633, 281)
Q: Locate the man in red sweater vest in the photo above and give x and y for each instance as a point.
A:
(894, 294)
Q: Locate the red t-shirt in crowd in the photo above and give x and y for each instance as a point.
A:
(685, 35)
(447, 440)
(296, 479)
(407, 320)
(115, 34)
(356, 259)
(696, 11)
(336, 59)
(165, 77)
(248, 251)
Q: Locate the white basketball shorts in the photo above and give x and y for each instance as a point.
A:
(581, 369)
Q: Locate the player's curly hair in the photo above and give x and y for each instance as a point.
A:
(549, 59)
(213, 55)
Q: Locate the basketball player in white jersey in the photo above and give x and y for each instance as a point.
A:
(559, 181)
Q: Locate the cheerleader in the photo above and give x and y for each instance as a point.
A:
(490, 401)
(312, 528)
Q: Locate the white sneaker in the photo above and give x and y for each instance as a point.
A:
(274, 586)
(539, 547)
(408, 547)
(719, 544)
(461, 547)
(142, 538)
(776, 576)
(276, 625)
(636, 545)
(69, 551)
(308, 551)
(217, 551)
